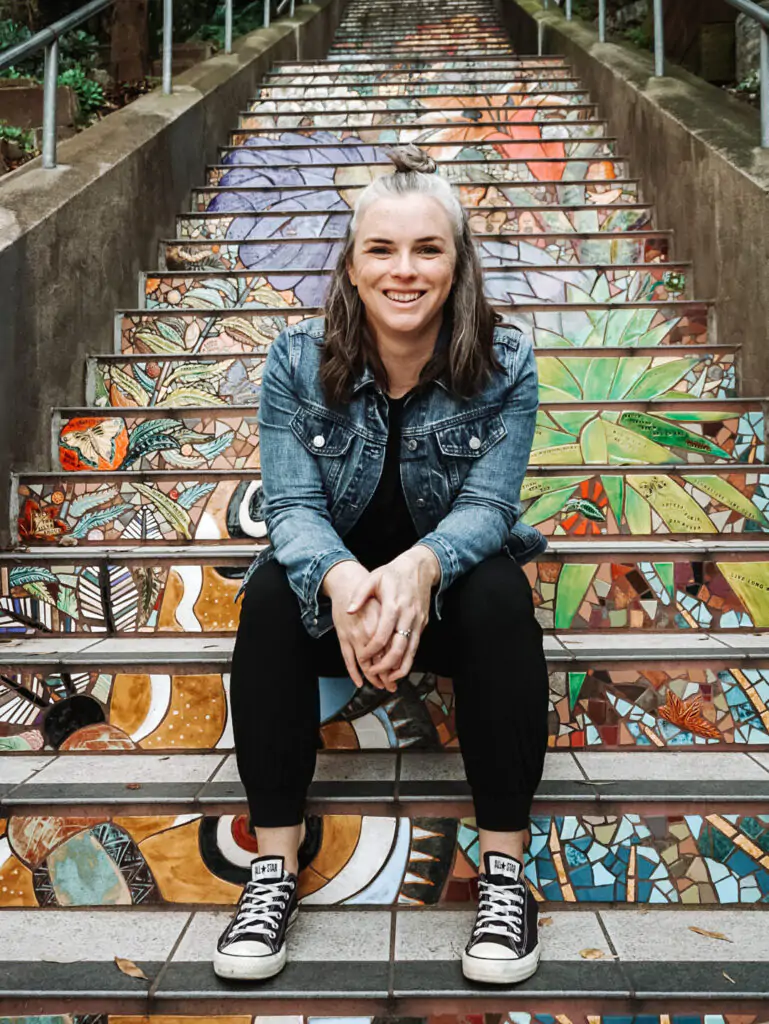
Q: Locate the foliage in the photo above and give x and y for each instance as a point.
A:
(77, 49)
(247, 19)
(90, 94)
(640, 37)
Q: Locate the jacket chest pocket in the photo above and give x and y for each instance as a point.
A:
(325, 438)
(461, 444)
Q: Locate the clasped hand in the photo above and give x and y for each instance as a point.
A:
(372, 611)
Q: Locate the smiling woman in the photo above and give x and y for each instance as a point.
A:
(394, 438)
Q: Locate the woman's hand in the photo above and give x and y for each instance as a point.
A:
(353, 629)
(402, 588)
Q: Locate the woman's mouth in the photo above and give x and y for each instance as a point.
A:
(403, 298)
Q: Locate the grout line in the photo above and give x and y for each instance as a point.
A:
(755, 760)
(391, 964)
(161, 974)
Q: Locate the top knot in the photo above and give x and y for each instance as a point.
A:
(410, 159)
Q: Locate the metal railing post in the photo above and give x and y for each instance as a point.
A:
(601, 21)
(228, 26)
(168, 45)
(659, 39)
(540, 37)
(568, 10)
(50, 86)
(266, 13)
(764, 72)
(292, 9)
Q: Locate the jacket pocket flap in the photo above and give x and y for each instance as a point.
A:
(320, 434)
(473, 438)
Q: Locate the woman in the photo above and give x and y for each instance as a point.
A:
(394, 438)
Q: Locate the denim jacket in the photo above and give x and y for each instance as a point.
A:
(462, 464)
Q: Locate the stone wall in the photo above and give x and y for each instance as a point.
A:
(697, 152)
(73, 240)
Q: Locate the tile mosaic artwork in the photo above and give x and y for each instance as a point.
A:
(491, 104)
(536, 193)
(198, 597)
(361, 860)
(554, 165)
(303, 120)
(513, 1017)
(224, 380)
(189, 438)
(637, 325)
(98, 509)
(430, 85)
(440, 71)
(645, 708)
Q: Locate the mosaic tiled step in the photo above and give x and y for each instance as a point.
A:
(315, 222)
(560, 498)
(235, 379)
(561, 167)
(252, 329)
(283, 262)
(244, 198)
(515, 67)
(350, 154)
(653, 693)
(623, 430)
(421, 84)
(341, 959)
(600, 585)
(499, 134)
(500, 102)
(329, 114)
(469, 74)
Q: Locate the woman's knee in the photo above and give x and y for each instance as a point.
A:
(496, 591)
(268, 598)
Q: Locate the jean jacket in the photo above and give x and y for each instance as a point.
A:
(462, 464)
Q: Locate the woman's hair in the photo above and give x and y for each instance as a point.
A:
(469, 357)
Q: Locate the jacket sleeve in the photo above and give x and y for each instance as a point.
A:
(488, 505)
(295, 503)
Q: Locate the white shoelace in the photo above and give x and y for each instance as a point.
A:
(500, 910)
(261, 909)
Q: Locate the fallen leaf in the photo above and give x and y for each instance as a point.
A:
(709, 935)
(133, 785)
(545, 921)
(729, 977)
(129, 967)
(592, 954)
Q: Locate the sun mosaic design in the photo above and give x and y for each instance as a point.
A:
(590, 709)
(717, 859)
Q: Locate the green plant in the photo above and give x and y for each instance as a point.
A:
(640, 37)
(23, 138)
(77, 49)
(90, 94)
(247, 19)
(751, 84)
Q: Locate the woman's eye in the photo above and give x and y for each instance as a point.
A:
(378, 250)
(430, 250)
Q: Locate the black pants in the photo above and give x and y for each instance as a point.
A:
(487, 640)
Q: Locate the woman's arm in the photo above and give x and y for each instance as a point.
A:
(295, 501)
(488, 505)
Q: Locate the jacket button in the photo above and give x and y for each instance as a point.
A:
(420, 502)
(411, 445)
(475, 443)
(319, 440)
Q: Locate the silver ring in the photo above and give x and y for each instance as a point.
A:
(404, 632)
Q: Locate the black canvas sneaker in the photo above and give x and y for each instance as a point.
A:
(504, 946)
(253, 945)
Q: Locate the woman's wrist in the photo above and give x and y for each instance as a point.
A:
(427, 562)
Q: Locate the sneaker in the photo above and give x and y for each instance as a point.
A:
(253, 945)
(504, 946)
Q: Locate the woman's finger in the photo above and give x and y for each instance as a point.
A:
(393, 656)
(361, 594)
(384, 631)
(349, 659)
(404, 668)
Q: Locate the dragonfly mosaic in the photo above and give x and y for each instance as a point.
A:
(700, 860)
(235, 379)
(649, 707)
(198, 596)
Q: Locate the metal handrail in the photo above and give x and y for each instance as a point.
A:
(48, 39)
(759, 14)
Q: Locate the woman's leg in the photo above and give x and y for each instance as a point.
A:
(501, 687)
(276, 708)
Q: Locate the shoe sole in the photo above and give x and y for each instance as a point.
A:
(500, 972)
(251, 968)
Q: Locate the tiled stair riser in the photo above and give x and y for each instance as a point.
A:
(236, 379)
(328, 118)
(575, 124)
(516, 1016)
(199, 597)
(716, 858)
(654, 707)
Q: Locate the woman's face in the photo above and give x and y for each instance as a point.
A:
(403, 263)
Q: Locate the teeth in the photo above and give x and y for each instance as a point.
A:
(403, 296)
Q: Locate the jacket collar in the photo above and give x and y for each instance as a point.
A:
(444, 337)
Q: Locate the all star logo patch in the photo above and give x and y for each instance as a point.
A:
(267, 869)
(504, 866)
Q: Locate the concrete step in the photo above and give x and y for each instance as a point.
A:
(618, 691)
(419, 84)
(473, 110)
(160, 584)
(495, 102)
(558, 167)
(514, 67)
(341, 963)
(545, 76)
(290, 282)
(667, 429)
(252, 329)
(117, 381)
(390, 120)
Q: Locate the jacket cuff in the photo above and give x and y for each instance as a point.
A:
(448, 561)
(316, 573)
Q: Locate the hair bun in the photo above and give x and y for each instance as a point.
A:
(411, 159)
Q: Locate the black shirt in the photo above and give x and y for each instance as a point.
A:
(385, 528)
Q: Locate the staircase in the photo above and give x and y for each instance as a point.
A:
(122, 820)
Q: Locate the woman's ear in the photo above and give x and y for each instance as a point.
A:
(351, 274)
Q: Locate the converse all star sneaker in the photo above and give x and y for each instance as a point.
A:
(504, 945)
(253, 945)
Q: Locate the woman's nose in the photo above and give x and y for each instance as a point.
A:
(404, 265)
